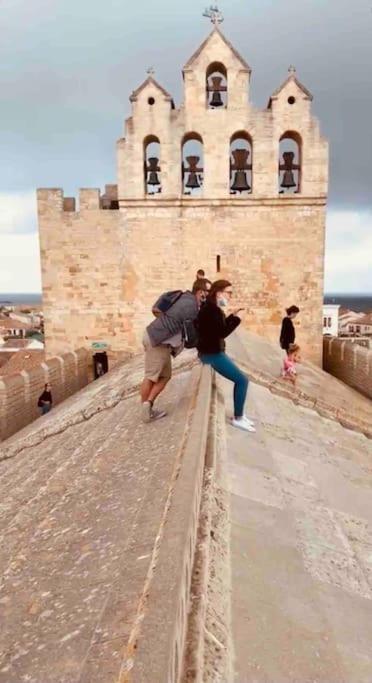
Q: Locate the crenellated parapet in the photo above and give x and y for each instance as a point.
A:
(52, 200)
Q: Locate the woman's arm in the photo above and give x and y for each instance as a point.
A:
(230, 324)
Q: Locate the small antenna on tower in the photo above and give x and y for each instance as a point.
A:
(214, 14)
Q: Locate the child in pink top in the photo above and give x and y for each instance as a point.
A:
(289, 364)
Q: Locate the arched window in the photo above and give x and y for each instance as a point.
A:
(290, 160)
(192, 165)
(241, 152)
(152, 170)
(216, 86)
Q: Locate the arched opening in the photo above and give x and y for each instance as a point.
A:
(216, 86)
(241, 158)
(192, 165)
(290, 162)
(152, 169)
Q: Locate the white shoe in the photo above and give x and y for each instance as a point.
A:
(242, 423)
(249, 419)
(157, 414)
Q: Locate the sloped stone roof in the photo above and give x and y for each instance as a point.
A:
(200, 49)
(150, 81)
(291, 79)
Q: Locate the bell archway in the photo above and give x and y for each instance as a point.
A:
(241, 164)
(216, 86)
(151, 164)
(192, 165)
(290, 163)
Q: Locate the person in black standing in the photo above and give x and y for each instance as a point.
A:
(288, 333)
(45, 400)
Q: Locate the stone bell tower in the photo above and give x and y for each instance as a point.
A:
(215, 183)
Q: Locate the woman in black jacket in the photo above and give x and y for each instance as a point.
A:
(288, 333)
(213, 328)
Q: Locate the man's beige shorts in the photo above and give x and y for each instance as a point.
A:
(158, 362)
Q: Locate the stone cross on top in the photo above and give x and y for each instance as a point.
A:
(214, 14)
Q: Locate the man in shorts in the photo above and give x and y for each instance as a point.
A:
(162, 340)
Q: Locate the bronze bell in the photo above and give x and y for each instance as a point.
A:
(240, 183)
(240, 166)
(287, 167)
(153, 168)
(193, 182)
(216, 89)
(216, 100)
(193, 179)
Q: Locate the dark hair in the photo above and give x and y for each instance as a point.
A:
(200, 272)
(200, 285)
(292, 309)
(293, 348)
(217, 286)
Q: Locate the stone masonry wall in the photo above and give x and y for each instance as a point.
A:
(349, 362)
(19, 393)
(102, 270)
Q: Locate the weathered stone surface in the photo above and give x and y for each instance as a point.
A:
(301, 546)
(315, 389)
(79, 516)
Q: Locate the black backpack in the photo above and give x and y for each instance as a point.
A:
(190, 334)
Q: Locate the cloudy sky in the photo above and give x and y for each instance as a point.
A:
(67, 68)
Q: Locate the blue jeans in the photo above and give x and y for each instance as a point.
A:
(222, 364)
(45, 408)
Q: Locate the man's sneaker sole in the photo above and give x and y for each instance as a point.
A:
(157, 415)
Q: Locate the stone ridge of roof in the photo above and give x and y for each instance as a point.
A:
(148, 81)
(290, 79)
(200, 49)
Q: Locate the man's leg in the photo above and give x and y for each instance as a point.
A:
(158, 371)
(146, 388)
(157, 388)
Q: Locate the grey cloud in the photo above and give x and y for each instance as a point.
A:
(67, 70)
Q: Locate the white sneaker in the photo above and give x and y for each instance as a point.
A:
(242, 423)
(157, 414)
(249, 419)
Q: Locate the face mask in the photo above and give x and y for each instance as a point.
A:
(222, 302)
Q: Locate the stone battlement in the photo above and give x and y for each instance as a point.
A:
(53, 200)
(19, 392)
(349, 362)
